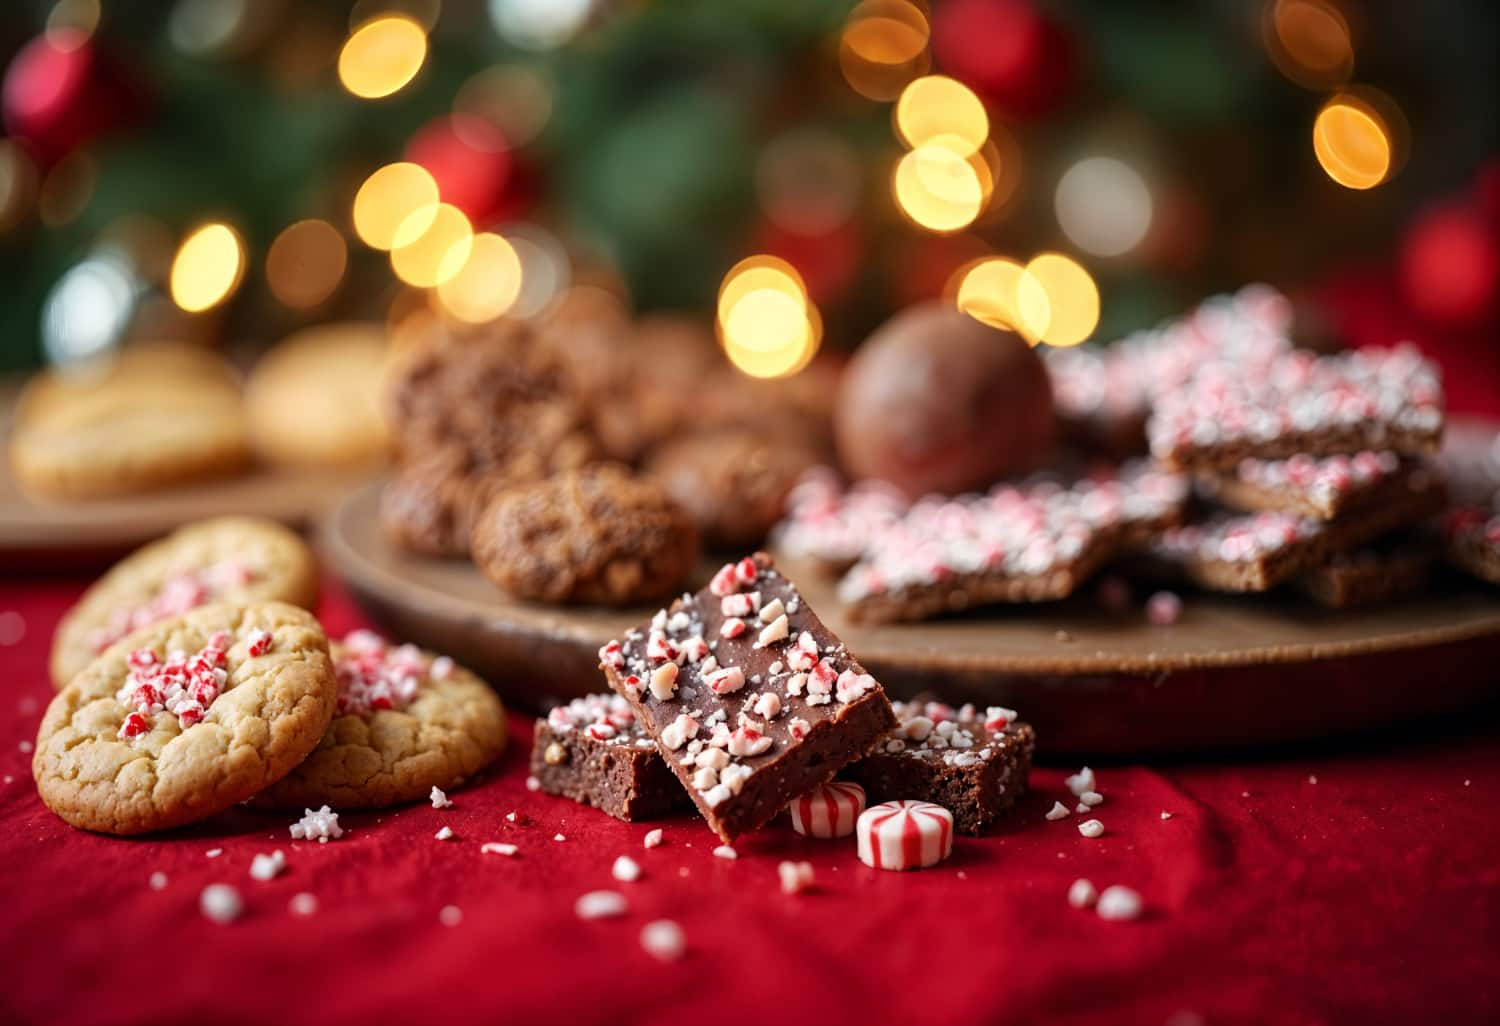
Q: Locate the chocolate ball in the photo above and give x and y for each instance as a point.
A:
(935, 401)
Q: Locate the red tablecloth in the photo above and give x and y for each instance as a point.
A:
(1360, 886)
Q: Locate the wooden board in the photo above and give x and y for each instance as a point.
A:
(1233, 671)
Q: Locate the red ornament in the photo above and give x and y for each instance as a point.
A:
(473, 165)
(1017, 57)
(60, 92)
(1450, 266)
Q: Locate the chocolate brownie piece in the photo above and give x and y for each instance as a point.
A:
(1471, 540)
(599, 534)
(1369, 575)
(1300, 403)
(1031, 542)
(973, 765)
(593, 751)
(751, 698)
(1321, 488)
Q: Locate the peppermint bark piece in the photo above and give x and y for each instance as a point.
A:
(974, 764)
(1322, 488)
(1300, 403)
(594, 751)
(1369, 575)
(1471, 540)
(752, 700)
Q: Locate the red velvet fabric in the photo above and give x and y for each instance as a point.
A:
(1355, 886)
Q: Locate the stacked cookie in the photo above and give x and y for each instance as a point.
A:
(191, 679)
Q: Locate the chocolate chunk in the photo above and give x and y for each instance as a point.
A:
(974, 765)
(593, 751)
(752, 700)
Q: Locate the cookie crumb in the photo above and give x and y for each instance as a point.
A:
(796, 877)
(439, 799)
(1063, 637)
(558, 837)
(1091, 828)
(1058, 811)
(220, 903)
(663, 940)
(600, 905)
(321, 826)
(158, 880)
(724, 851)
(652, 839)
(1083, 893)
(303, 904)
(267, 867)
(450, 915)
(498, 848)
(1081, 781)
(213, 853)
(1119, 902)
(626, 869)
(533, 784)
(445, 834)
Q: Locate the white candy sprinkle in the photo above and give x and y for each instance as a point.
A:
(1312, 778)
(497, 848)
(1080, 808)
(510, 816)
(558, 837)
(1091, 828)
(158, 880)
(1081, 781)
(724, 851)
(796, 877)
(1119, 902)
(213, 853)
(439, 799)
(321, 826)
(626, 869)
(653, 838)
(663, 940)
(1091, 798)
(445, 834)
(450, 915)
(1082, 894)
(221, 903)
(1058, 811)
(1165, 814)
(533, 784)
(26, 747)
(600, 905)
(267, 867)
(303, 904)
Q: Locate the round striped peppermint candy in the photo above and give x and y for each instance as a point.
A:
(828, 810)
(905, 835)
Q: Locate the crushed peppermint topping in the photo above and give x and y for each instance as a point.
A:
(321, 826)
(498, 848)
(532, 783)
(221, 903)
(1119, 902)
(663, 940)
(1082, 894)
(1058, 811)
(177, 594)
(1081, 781)
(1091, 828)
(439, 799)
(158, 880)
(444, 833)
(303, 904)
(600, 905)
(961, 736)
(213, 853)
(267, 867)
(652, 839)
(795, 877)
(450, 915)
(1164, 608)
(182, 685)
(374, 675)
(603, 717)
(626, 869)
(724, 851)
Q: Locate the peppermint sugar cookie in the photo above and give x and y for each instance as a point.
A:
(407, 721)
(186, 718)
(225, 559)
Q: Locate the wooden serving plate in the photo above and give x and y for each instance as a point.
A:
(1232, 672)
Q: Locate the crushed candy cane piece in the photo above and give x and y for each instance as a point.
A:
(626, 869)
(1058, 811)
(663, 940)
(795, 877)
(439, 798)
(498, 848)
(1081, 781)
(652, 838)
(321, 825)
(221, 903)
(267, 867)
(1082, 894)
(600, 905)
(450, 915)
(1119, 902)
(158, 880)
(303, 904)
(724, 851)
(1091, 828)
(444, 834)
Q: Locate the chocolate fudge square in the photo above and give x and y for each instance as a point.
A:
(750, 698)
(594, 751)
(974, 765)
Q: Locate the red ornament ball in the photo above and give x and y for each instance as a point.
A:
(935, 401)
(1014, 55)
(60, 92)
(471, 162)
(1450, 266)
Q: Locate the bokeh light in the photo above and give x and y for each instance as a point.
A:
(88, 309)
(941, 190)
(1003, 294)
(18, 185)
(305, 263)
(1072, 299)
(1103, 206)
(546, 271)
(208, 267)
(395, 205)
(423, 12)
(939, 110)
(515, 99)
(766, 323)
(382, 55)
(70, 23)
(539, 24)
(67, 189)
(1310, 42)
(883, 46)
(1353, 142)
(436, 254)
(489, 284)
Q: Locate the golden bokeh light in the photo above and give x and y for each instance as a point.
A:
(1310, 42)
(768, 326)
(883, 47)
(1072, 299)
(514, 98)
(381, 56)
(940, 110)
(437, 254)
(489, 284)
(208, 267)
(1353, 143)
(395, 205)
(940, 189)
(18, 185)
(1003, 294)
(70, 23)
(759, 273)
(305, 263)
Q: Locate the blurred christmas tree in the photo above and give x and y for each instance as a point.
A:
(1163, 150)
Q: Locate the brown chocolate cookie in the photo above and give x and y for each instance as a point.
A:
(733, 482)
(594, 535)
